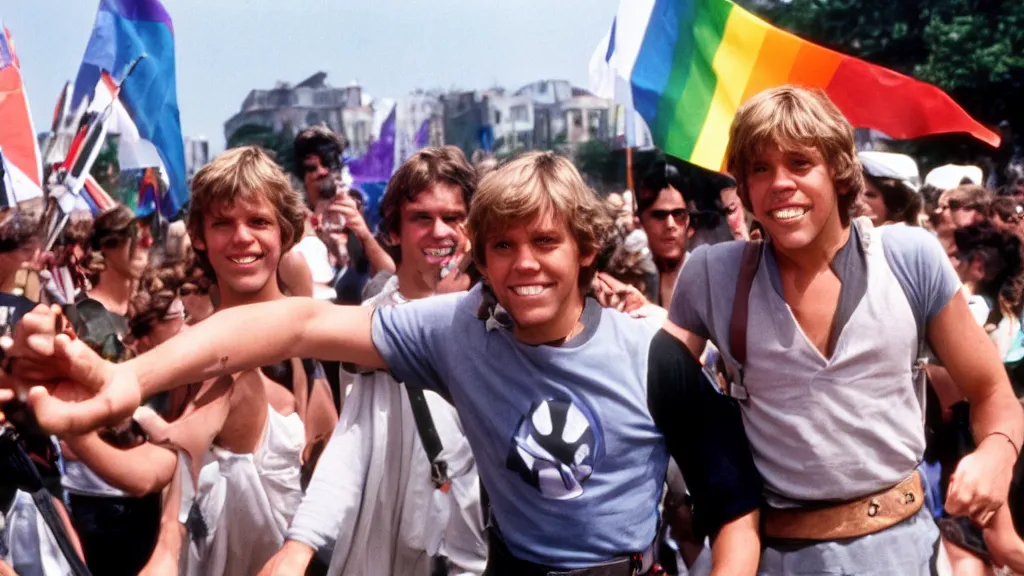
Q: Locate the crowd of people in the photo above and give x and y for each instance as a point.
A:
(513, 376)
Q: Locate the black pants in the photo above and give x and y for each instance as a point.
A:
(501, 562)
(118, 534)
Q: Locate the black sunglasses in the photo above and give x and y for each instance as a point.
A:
(678, 214)
(954, 205)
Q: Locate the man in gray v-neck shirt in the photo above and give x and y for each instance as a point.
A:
(836, 317)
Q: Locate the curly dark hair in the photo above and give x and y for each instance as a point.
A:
(17, 230)
(109, 230)
(319, 141)
(1001, 252)
(158, 288)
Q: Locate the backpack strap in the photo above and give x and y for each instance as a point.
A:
(749, 262)
(432, 444)
(732, 381)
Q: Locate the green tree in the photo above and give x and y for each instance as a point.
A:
(106, 168)
(972, 49)
(278, 144)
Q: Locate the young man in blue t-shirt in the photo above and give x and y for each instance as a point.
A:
(571, 410)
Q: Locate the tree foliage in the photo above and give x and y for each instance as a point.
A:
(106, 167)
(278, 144)
(972, 49)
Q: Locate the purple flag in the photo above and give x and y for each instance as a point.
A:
(379, 161)
(423, 136)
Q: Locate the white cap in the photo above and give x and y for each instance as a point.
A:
(889, 165)
(952, 175)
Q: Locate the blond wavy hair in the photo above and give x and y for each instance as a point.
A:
(794, 118)
(246, 173)
(532, 186)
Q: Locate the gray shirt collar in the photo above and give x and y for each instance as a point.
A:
(850, 265)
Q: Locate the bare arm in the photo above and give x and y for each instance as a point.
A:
(376, 254)
(354, 222)
(291, 560)
(164, 559)
(226, 344)
(295, 274)
(76, 392)
(737, 548)
(972, 361)
(980, 484)
(138, 471)
(694, 343)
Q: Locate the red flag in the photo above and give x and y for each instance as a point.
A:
(17, 135)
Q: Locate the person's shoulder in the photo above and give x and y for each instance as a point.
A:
(310, 245)
(630, 333)
(722, 250)
(455, 304)
(911, 249)
(720, 256)
(906, 239)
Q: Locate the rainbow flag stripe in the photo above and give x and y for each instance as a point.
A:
(689, 64)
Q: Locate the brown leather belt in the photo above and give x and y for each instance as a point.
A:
(861, 517)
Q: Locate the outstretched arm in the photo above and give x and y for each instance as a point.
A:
(83, 392)
(247, 337)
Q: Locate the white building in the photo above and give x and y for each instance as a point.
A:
(288, 109)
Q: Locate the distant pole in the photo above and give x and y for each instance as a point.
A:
(629, 168)
(628, 139)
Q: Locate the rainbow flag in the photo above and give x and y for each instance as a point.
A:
(686, 66)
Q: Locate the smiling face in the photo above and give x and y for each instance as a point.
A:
(534, 269)
(242, 241)
(429, 234)
(792, 194)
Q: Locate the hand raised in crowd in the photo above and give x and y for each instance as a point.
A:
(453, 274)
(346, 206)
(981, 481)
(65, 383)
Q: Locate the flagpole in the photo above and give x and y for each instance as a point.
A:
(629, 168)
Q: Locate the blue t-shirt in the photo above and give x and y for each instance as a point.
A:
(565, 443)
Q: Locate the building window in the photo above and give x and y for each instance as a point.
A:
(520, 114)
(497, 116)
(595, 121)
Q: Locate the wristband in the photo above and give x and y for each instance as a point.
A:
(1008, 439)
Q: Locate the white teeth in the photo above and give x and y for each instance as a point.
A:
(244, 260)
(789, 213)
(440, 252)
(528, 290)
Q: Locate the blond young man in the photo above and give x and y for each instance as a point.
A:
(571, 410)
(822, 355)
(246, 437)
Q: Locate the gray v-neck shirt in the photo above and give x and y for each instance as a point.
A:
(826, 429)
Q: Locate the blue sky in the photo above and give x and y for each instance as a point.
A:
(227, 47)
